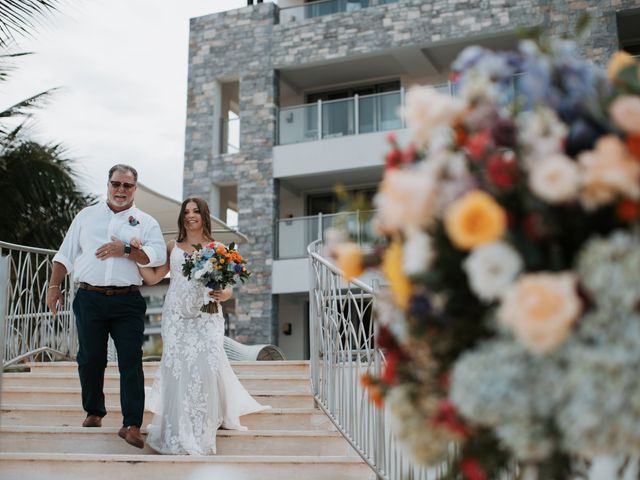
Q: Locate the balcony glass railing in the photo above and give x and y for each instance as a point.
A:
(295, 234)
(351, 116)
(337, 118)
(318, 9)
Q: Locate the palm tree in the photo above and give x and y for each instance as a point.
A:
(38, 192)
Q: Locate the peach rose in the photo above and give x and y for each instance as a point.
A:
(607, 172)
(540, 309)
(405, 198)
(349, 260)
(625, 112)
(474, 219)
(618, 61)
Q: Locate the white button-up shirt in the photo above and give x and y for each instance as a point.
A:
(93, 227)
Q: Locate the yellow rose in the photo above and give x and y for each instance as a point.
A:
(474, 219)
(393, 271)
(618, 61)
(540, 309)
(349, 260)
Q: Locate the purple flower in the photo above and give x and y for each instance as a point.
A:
(133, 221)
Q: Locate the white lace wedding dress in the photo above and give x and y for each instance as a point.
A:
(195, 391)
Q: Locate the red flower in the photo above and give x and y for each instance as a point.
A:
(533, 226)
(633, 144)
(627, 210)
(409, 154)
(386, 339)
(472, 470)
(478, 144)
(393, 158)
(389, 373)
(447, 417)
(391, 138)
(502, 170)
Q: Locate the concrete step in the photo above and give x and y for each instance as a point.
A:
(293, 419)
(229, 442)
(55, 466)
(71, 395)
(281, 367)
(42, 378)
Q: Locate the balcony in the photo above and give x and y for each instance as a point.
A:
(350, 116)
(293, 235)
(325, 7)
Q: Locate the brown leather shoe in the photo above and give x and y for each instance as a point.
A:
(122, 433)
(133, 436)
(92, 421)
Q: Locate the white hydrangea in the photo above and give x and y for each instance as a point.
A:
(418, 253)
(491, 268)
(555, 179)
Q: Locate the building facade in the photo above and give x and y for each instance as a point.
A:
(286, 101)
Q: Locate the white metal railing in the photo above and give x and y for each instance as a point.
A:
(294, 234)
(342, 350)
(32, 333)
(30, 329)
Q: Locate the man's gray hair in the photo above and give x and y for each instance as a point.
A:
(121, 167)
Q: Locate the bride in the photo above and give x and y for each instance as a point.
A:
(195, 391)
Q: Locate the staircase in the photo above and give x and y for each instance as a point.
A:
(41, 436)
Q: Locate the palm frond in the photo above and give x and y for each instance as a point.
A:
(23, 108)
(39, 194)
(19, 17)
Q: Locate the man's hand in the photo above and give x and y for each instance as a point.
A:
(136, 242)
(54, 298)
(115, 248)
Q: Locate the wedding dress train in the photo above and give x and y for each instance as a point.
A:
(195, 390)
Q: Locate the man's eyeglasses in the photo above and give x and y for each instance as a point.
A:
(127, 186)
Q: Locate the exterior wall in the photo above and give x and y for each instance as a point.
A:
(247, 44)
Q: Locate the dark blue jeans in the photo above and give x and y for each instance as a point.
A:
(121, 316)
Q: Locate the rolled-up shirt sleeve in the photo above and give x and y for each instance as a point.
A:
(153, 245)
(70, 247)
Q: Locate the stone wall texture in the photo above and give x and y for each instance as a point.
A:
(249, 45)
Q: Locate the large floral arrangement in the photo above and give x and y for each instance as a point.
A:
(215, 266)
(513, 264)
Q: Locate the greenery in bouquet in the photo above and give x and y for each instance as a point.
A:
(215, 266)
(513, 264)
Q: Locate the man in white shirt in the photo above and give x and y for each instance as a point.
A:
(97, 250)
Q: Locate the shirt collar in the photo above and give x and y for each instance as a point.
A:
(130, 211)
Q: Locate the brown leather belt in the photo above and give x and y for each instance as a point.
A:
(109, 290)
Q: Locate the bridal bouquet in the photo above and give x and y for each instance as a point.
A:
(513, 265)
(215, 266)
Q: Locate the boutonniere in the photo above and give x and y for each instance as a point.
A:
(133, 221)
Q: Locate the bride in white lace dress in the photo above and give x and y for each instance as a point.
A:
(195, 391)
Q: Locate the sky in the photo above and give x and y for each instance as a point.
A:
(120, 69)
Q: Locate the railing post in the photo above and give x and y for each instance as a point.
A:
(319, 119)
(4, 290)
(356, 114)
(402, 106)
(320, 226)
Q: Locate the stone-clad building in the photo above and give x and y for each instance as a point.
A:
(310, 90)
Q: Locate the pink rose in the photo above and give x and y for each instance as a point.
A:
(625, 112)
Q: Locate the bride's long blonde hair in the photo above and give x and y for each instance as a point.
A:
(204, 213)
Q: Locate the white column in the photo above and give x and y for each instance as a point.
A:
(214, 201)
(217, 116)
